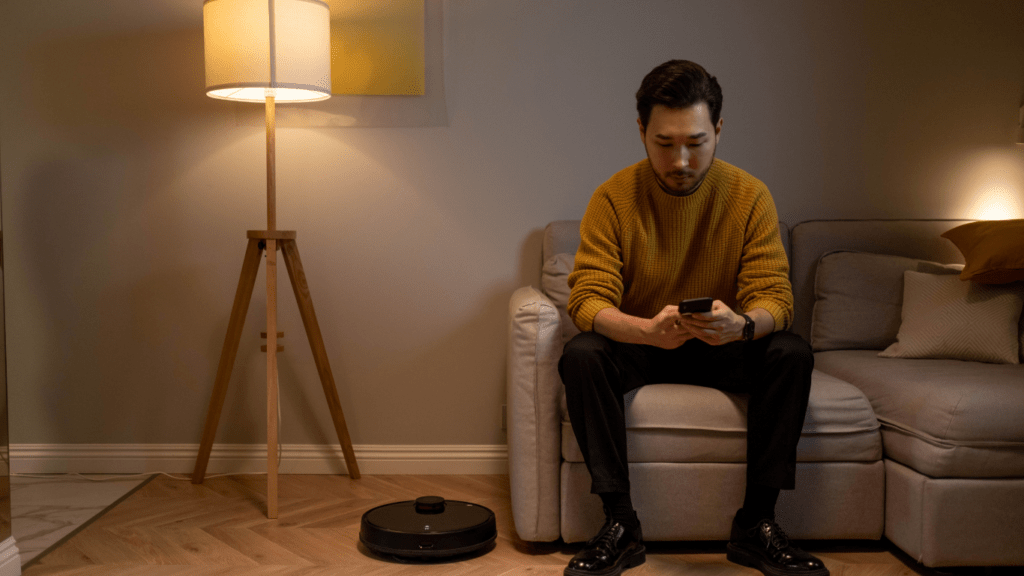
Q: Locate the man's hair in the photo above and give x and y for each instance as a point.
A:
(678, 84)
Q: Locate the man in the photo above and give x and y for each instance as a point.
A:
(680, 225)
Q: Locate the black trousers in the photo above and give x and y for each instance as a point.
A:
(775, 370)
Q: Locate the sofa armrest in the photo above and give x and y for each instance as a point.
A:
(534, 418)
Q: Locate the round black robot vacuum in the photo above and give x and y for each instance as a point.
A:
(428, 528)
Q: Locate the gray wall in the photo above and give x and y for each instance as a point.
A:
(127, 192)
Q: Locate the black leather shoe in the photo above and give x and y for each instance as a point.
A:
(766, 547)
(613, 550)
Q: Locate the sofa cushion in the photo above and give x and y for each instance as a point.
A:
(946, 317)
(858, 297)
(943, 418)
(684, 423)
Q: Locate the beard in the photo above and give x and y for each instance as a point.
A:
(681, 182)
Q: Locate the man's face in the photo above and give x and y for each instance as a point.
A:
(681, 144)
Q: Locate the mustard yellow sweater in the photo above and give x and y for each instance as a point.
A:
(642, 249)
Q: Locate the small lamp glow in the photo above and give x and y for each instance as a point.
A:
(998, 204)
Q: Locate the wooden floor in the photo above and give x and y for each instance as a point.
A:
(172, 527)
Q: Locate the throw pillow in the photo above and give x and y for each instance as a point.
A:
(858, 297)
(945, 317)
(993, 250)
(554, 282)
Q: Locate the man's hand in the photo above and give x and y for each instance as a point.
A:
(719, 326)
(670, 330)
(666, 330)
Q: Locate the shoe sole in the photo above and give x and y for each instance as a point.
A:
(632, 561)
(739, 556)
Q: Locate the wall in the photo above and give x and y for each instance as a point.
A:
(127, 192)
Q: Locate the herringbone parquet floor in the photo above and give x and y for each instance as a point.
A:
(171, 527)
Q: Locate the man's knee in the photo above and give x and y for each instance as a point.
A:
(792, 350)
(586, 348)
(586, 343)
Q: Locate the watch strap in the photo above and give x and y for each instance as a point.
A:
(748, 328)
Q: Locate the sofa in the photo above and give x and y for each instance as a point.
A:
(926, 452)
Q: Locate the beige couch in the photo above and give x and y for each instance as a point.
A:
(951, 497)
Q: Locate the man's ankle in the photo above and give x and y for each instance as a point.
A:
(748, 518)
(618, 507)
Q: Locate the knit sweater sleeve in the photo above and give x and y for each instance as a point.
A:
(596, 281)
(763, 280)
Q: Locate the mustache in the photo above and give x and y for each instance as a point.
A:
(681, 174)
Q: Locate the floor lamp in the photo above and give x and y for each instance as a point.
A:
(269, 51)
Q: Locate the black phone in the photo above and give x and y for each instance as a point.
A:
(696, 305)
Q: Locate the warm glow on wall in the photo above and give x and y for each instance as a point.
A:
(991, 185)
(997, 204)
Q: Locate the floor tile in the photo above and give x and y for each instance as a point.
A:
(46, 509)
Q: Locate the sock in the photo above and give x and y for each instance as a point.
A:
(758, 504)
(619, 507)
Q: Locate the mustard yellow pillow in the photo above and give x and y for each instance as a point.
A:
(993, 250)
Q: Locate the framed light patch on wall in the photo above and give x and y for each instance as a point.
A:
(387, 69)
(377, 48)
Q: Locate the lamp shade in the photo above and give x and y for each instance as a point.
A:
(260, 48)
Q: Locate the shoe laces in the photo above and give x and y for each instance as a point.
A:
(773, 535)
(606, 539)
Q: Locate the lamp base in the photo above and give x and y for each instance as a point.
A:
(259, 241)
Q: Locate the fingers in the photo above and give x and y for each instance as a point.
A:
(713, 327)
(710, 327)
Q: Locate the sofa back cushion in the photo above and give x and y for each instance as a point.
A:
(918, 239)
(859, 296)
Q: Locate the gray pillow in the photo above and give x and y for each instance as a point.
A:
(554, 282)
(946, 317)
(858, 298)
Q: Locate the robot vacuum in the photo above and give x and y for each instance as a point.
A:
(429, 527)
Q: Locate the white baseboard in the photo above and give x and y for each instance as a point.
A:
(252, 459)
(10, 559)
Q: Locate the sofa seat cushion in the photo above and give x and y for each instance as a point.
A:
(943, 418)
(684, 423)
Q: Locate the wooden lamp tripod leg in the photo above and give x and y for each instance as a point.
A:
(293, 263)
(272, 398)
(243, 295)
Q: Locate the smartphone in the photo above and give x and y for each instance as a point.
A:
(696, 305)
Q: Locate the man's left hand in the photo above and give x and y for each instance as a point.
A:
(719, 326)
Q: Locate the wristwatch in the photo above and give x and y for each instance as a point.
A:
(748, 328)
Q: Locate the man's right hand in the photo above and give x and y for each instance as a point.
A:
(665, 330)
(662, 331)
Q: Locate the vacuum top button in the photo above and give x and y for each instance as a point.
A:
(430, 505)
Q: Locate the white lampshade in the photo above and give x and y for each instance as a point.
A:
(260, 48)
